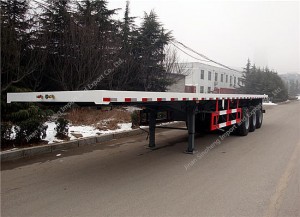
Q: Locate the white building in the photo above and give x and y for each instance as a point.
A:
(206, 78)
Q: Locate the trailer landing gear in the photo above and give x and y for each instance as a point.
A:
(191, 113)
(152, 126)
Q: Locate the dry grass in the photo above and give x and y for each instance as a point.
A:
(101, 119)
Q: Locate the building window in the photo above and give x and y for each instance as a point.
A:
(216, 77)
(201, 89)
(209, 76)
(202, 74)
(226, 78)
(234, 81)
(230, 80)
(208, 89)
(222, 77)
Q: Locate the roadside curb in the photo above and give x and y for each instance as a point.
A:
(33, 151)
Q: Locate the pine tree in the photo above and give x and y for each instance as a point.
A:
(80, 43)
(247, 78)
(248, 66)
(54, 33)
(17, 55)
(126, 28)
(125, 76)
(152, 41)
(293, 90)
(264, 81)
(56, 20)
(297, 87)
(99, 44)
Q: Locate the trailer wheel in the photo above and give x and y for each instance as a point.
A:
(243, 128)
(259, 118)
(252, 120)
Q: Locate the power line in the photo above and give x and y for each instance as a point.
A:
(205, 57)
(188, 53)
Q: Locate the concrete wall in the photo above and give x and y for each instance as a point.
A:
(179, 84)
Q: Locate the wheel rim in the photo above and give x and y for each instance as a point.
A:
(247, 122)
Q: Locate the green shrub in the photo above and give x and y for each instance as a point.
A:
(30, 131)
(27, 119)
(62, 128)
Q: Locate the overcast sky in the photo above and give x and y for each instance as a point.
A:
(231, 31)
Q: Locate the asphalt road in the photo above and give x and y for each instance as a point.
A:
(256, 175)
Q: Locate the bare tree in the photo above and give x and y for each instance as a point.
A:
(174, 69)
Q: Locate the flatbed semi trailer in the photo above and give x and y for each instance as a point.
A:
(201, 112)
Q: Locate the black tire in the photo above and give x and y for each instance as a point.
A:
(243, 127)
(259, 118)
(252, 119)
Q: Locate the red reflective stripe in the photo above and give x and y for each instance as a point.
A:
(184, 99)
(159, 99)
(106, 99)
(127, 99)
(144, 99)
(173, 99)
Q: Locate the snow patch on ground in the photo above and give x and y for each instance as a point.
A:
(14, 134)
(13, 149)
(122, 127)
(298, 97)
(51, 132)
(269, 103)
(131, 109)
(85, 131)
